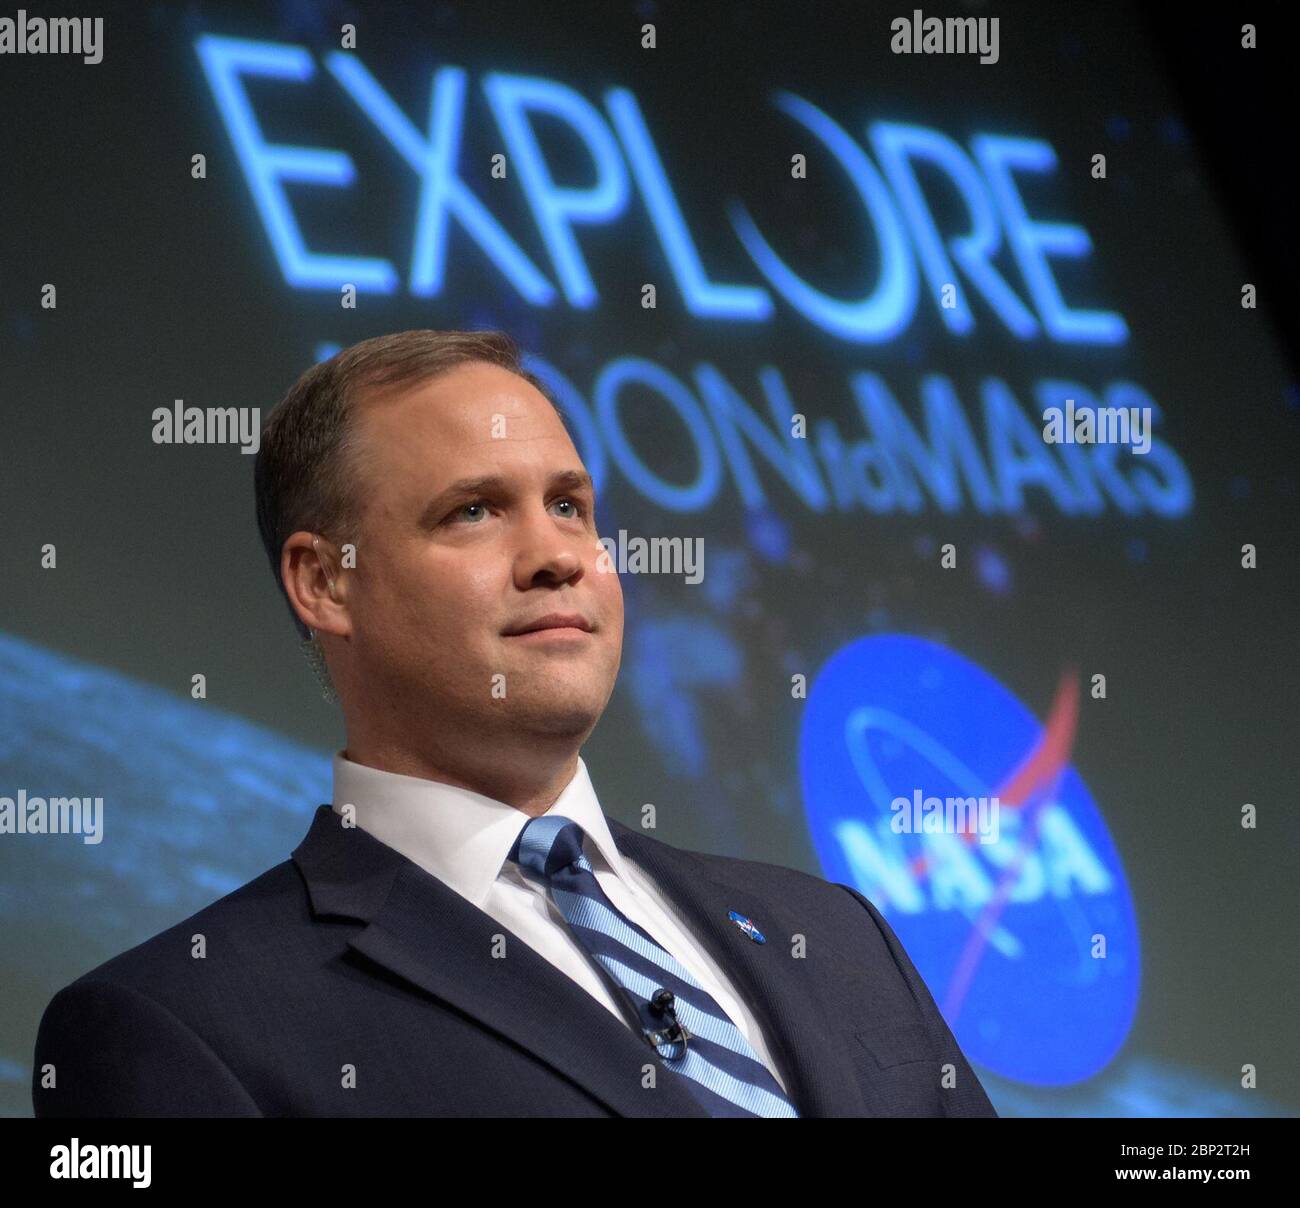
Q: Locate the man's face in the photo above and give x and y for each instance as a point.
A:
(446, 574)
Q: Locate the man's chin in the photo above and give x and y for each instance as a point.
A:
(555, 718)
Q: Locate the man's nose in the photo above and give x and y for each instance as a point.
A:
(546, 551)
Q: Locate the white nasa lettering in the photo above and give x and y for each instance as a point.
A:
(1061, 863)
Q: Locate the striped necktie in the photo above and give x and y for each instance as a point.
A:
(720, 1066)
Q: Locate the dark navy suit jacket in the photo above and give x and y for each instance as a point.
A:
(347, 981)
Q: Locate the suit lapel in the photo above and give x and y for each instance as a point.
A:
(805, 1041)
(426, 933)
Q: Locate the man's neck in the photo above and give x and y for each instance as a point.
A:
(530, 781)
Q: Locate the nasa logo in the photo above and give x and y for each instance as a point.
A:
(747, 926)
(1030, 944)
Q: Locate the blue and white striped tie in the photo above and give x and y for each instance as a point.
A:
(720, 1066)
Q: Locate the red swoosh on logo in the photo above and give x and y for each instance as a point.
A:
(1033, 783)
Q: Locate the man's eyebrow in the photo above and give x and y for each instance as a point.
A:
(494, 484)
(571, 480)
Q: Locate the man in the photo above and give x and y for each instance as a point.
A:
(464, 932)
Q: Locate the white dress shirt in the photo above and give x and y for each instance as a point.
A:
(463, 838)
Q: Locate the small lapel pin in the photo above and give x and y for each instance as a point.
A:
(747, 926)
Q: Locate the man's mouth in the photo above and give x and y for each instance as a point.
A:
(552, 625)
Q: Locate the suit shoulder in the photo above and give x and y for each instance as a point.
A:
(256, 911)
(746, 872)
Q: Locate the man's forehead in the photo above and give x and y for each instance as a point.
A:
(462, 408)
(461, 423)
(467, 393)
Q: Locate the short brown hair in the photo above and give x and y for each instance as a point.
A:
(306, 471)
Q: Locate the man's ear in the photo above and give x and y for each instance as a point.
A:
(316, 589)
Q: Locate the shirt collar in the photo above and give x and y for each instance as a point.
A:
(459, 836)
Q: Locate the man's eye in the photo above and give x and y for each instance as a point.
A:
(464, 507)
(579, 508)
(460, 514)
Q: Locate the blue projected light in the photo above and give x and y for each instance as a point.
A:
(897, 218)
(691, 498)
(897, 467)
(556, 208)
(1007, 934)
(888, 309)
(1032, 241)
(225, 61)
(704, 298)
(896, 145)
(442, 192)
(982, 447)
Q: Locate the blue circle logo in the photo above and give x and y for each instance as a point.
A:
(935, 793)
